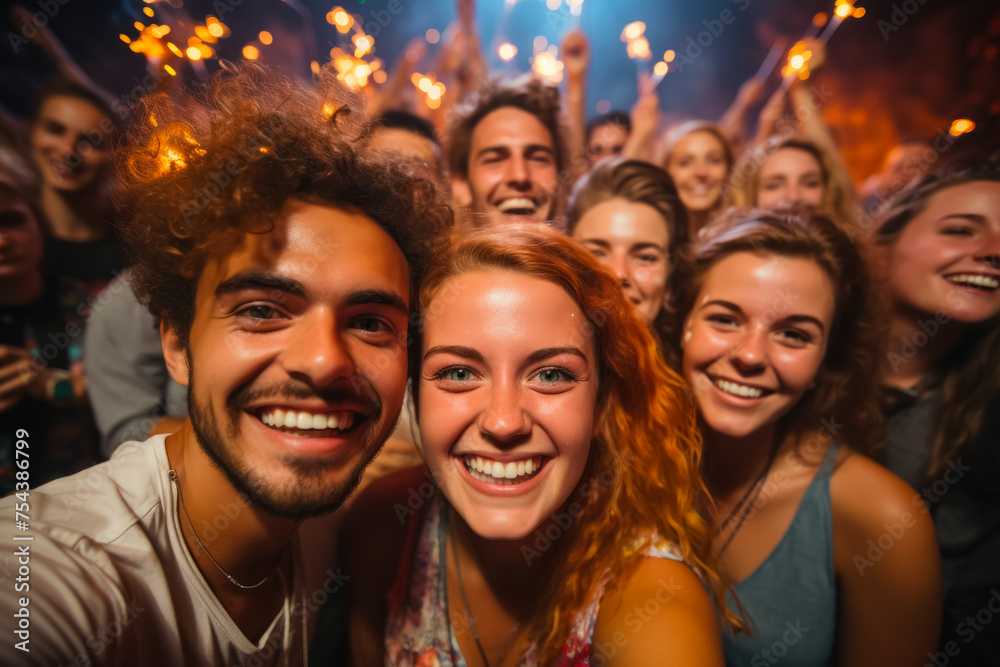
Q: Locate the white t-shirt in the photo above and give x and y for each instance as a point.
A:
(109, 579)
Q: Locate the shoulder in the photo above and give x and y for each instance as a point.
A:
(865, 496)
(661, 609)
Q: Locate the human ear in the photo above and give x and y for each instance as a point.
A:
(174, 353)
(461, 193)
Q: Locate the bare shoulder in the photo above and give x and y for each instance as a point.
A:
(865, 496)
(662, 609)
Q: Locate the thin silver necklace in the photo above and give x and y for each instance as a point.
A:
(745, 505)
(507, 645)
(173, 477)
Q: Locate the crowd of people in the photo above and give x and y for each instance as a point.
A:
(613, 393)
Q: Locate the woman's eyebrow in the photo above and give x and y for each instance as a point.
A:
(457, 350)
(547, 352)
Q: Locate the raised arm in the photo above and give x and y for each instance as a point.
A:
(576, 58)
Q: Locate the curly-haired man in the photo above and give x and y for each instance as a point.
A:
(280, 254)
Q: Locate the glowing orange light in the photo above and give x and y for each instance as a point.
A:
(820, 19)
(432, 36)
(193, 41)
(362, 70)
(328, 110)
(433, 103)
(507, 51)
(660, 69)
(669, 56)
(843, 10)
(173, 49)
(796, 62)
(205, 51)
(125, 38)
(193, 52)
(250, 52)
(424, 84)
(961, 126)
(170, 70)
(152, 120)
(633, 30)
(265, 37)
(434, 93)
(203, 33)
(859, 12)
(638, 48)
(215, 29)
(139, 25)
(314, 66)
(380, 76)
(148, 11)
(342, 18)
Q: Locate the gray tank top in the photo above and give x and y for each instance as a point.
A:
(791, 597)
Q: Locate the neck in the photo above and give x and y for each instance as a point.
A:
(251, 541)
(732, 463)
(697, 220)
(514, 569)
(75, 216)
(22, 289)
(917, 343)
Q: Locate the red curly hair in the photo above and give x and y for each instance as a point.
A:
(645, 431)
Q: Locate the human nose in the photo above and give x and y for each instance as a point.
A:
(316, 351)
(504, 417)
(619, 266)
(749, 351)
(517, 170)
(989, 253)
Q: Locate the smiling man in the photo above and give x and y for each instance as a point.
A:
(280, 254)
(506, 151)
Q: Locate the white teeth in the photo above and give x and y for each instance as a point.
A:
(496, 472)
(516, 203)
(975, 279)
(307, 421)
(737, 389)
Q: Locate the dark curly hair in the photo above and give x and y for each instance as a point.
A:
(202, 171)
(846, 386)
(527, 92)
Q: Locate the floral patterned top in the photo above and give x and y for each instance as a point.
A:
(419, 632)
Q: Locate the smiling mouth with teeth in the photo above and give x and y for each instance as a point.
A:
(974, 281)
(741, 390)
(503, 474)
(517, 206)
(295, 422)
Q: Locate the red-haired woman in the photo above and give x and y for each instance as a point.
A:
(559, 520)
(775, 334)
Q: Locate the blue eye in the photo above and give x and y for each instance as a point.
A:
(454, 374)
(555, 375)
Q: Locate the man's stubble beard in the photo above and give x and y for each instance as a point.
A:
(309, 494)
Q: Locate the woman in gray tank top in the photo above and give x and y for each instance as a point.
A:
(832, 560)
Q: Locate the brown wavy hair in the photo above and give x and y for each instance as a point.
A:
(202, 171)
(846, 388)
(969, 381)
(645, 432)
(839, 199)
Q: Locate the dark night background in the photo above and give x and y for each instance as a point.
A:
(941, 64)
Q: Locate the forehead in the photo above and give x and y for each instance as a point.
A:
(505, 310)
(511, 127)
(331, 251)
(622, 220)
(790, 159)
(976, 197)
(72, 111)
(763, 283)
(608, 132)
(699, 141)
(403, 142)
